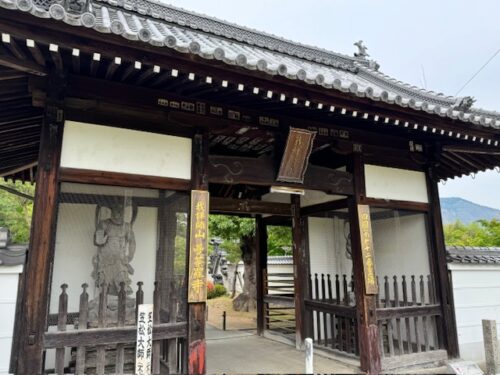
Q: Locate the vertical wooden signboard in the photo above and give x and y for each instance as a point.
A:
(198, 247)
(365, 228)
(144, 345)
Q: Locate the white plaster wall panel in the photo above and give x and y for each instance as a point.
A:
(9, 278)
(396, 184)
(74, 250)
(327, 253)
(327, 247)
(321, 245)
(476, 293)
(400, 246)
(104, 148)
(5, 349)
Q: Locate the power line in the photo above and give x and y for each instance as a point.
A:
(423, 76)
(479, 71)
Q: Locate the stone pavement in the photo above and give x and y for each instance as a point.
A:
(243, 352)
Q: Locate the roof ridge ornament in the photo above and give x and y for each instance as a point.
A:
(464, 104)
(361, 54)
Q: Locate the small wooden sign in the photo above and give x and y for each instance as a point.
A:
(464, 368)
(198, 246)
(365, 228)
(296, 156)
(144, 344)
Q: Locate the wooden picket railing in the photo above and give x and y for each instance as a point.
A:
(279, 303)
(107, 346)
(408, 316)
(331, 313)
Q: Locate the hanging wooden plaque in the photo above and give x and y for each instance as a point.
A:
(198, 246)
(296, 156)
(365, 228)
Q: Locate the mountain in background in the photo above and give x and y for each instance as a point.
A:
(454, 209)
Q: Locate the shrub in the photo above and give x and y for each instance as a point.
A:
(210, 286)
(216, 291)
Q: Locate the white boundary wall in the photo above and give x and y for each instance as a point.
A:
(9, 278)
(476, 293)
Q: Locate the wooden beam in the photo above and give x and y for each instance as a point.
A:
(322, 207)
(396, 204)
(36, 52)
(468, 149)
(280, 221)
(23, 66)
(39, 261)
(111, 335)
(122, 179)
(16, 192)
(55, 55)
(242, 170)
(246, 206)
(408, 311)
(13, 47)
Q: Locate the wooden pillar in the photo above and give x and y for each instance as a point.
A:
(440, 269)
(300, 271)
(365, 303)
(165, 275)
(260, 266)
(41, 249)
(196, 311)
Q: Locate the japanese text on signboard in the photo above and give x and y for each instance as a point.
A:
(198, 247)
(144, 345)
(365, 227)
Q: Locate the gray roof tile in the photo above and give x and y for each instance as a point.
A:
(472, 255)
(165, 26)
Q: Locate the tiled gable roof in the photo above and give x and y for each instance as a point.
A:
(166, 26)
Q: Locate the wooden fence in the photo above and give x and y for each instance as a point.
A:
(408, 316)
(331, 313)
(107, 346)
(279, 303)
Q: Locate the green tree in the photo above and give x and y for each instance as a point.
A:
(238, 239)
(492, 229)
(279, 240)
(16, 211)
(485, 233)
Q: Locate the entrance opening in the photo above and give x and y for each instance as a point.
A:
(269, 332)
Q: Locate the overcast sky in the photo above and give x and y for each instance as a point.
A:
(438, 45)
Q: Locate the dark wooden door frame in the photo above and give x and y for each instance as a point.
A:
(365, 304)
(196, 345)
(440, 269)
(38, 266)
